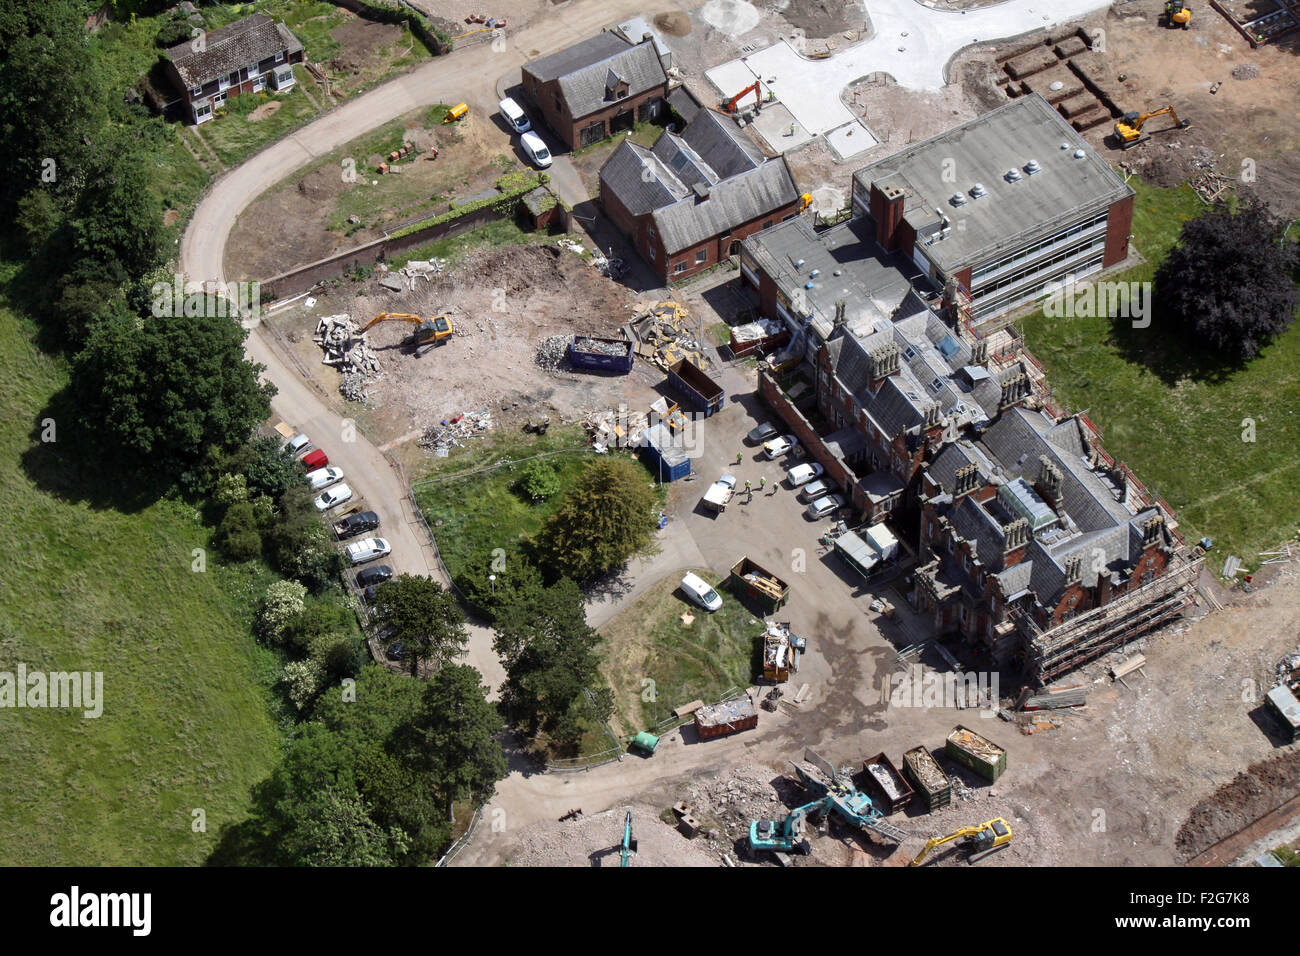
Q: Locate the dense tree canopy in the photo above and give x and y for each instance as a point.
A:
(156, 393)
(1230, 282)
(553, 678)
(605, 517)
(50, 97)
(423, 616)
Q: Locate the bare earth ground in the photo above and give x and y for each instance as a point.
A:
(1249, 118)
(469, 159)
(490, 360)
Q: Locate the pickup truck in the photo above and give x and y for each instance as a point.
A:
(719, 493)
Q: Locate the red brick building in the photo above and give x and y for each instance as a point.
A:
(689, 201)
(597, 88)
(248, 56)
(1008, 205)
(1027, 526)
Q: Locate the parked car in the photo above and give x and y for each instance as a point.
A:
(315, 459)
(776, 447)
(353, 525)
(701, 592)
(824, 506)
(324, 477)
(514, 116)
(536, 150)
(368, 577)
(367, 549)
(801, 474)
(297, 444)
(761, 434)
(333, 497)
(396, 651)
(814, 490)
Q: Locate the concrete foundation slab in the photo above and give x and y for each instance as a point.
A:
(779, 129)
(850, 139)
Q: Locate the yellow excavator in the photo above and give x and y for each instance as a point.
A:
(1177, 14)
(432, 331)
(1128, 131)
(986, 836)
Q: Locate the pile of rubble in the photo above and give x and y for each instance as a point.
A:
(404, 279)
(551, 354)
(346, 349)
(451, 432)
(664, 337)
(616, 427)
(1288, 669)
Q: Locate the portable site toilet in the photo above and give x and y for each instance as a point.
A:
(645, 742)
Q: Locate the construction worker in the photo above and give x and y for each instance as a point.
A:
(762, 482)
(749, 491)
(740, 456)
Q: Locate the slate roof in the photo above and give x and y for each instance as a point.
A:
(587, 71)
(741, 185)
(242, 43)
(731, 203)
(587, 52)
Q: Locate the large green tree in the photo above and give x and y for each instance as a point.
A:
(1230, 282)
(553, 680)
(423, 616)
(158, 393)
(605, 517)
(50, 97)
(453, 737)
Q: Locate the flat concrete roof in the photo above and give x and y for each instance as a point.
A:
(872, 283)
(983, 151)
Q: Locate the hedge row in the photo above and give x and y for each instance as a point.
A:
(513, 187)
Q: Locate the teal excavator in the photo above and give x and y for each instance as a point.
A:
(833, 792)
(629, 842)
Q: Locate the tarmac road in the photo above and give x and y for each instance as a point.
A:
(470, 75)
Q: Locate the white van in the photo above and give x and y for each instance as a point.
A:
(536, 149)
(514, 116)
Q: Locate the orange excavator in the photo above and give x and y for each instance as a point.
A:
(755, 88)
(432, 331)
(1128, 131)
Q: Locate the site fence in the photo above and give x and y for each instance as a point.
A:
(455, 849)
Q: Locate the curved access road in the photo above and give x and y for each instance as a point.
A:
(465, 75)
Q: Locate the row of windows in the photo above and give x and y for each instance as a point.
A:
(225, 82)
(1037, 247)
(1097, 244)
(1016, 296)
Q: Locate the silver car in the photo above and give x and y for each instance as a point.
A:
(824, 506)
(814, 490)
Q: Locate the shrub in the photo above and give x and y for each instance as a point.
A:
(538, 481)
(281, 605)
(237, 535)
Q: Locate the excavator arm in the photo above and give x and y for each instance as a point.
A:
(986, 836)
(1128, 131)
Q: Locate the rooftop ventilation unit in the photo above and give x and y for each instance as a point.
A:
(1033, 166)
(1079, 154)
(1013, 175)
(1065, 146)
(958, 199)
(978, 191)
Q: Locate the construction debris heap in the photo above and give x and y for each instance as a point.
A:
(346, 349)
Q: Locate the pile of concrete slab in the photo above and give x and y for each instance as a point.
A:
(664, 336)
(451, 432)
(345, 348)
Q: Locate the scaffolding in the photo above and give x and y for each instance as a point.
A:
(1074, 642)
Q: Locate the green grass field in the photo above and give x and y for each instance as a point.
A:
(649, 641)
(482, 511)
(187, 720)
(1176, 423)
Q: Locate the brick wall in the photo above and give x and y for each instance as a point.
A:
(1118, 227)
(802, 429)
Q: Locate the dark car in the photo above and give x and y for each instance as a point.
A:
(357, 523)
(368, 595)
(376, 575)
(396, 651)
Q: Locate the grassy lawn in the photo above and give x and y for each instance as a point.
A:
(1178, 428)
(187, 720)
(703, 659)
(234, 136)
(496, 232)
(482, 510)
